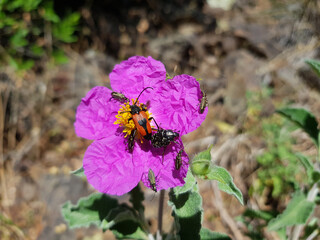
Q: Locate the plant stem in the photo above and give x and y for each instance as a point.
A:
(160, 211)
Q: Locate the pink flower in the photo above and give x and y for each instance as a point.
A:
(174, 103)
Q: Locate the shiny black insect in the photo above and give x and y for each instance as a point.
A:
(178, 160)
(152, 180)
(163, 137)
(120, 97)
(204, 102)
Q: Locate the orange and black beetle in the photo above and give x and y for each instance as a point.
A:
(139, 116)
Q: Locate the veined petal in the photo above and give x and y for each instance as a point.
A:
(166, 175)
(110, 168)
(96, 114)
(130, 77)
(176, 104)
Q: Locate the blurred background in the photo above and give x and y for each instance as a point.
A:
(247, 54)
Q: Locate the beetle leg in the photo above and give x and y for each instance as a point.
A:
(164, 150)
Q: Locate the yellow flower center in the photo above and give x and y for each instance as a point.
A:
(124, 117)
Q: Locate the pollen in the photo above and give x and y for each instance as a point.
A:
(124, 118)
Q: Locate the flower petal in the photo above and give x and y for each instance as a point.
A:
(110, 168)
(176, 103)
(96, 114)
(130, 77)
(164, 169)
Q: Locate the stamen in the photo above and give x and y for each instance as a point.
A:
(124, 115)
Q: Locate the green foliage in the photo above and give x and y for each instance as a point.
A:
(64, 30)
(124, 223)
(206, 234)
(255, 230)
(89, 210)
(300, 208)
(128, 222)
(315, 65)
(136, 198)
(264, 215)
(225, 181)
(186, 204)
(105, 212)
(32, 31)
(297, 212)
(279, 170)
(79, 172)
(201, 166)
(304, 119)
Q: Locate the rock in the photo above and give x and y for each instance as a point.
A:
(240, 73)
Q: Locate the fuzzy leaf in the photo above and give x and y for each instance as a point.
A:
(206, 234)
(304, 119)
(315, 65)
(306, 164)
(187, 209)
(124, 223)
(297, 212)
(136, 198)
(190, 183)
(88, 210)
(225, 181)
(205, 155)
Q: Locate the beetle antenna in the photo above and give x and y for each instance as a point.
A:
(140, 94)
(155, 123)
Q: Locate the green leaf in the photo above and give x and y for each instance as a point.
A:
(124, 223)
(206, 234)
(187, 209)
(303, 119)
(225, 181)
(315, 176)
(65, 29)
(259, 214)
(18, 39)
(315, 65)
(59, 57)
(306, 164)
(168, 76)
(88, 210)
(49, 13)
(123, 231)
(190, 183)
(37, 51)
(297, 212)
(26, 5)
(205, 155)
(25, 64)
(136, 198)
(13, 63)
(79, 172)
(277, 186)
